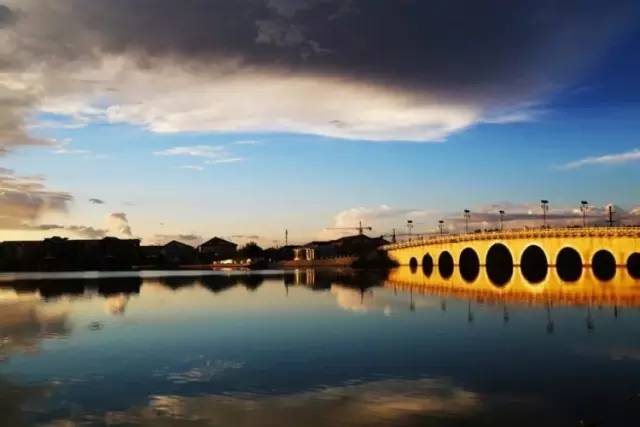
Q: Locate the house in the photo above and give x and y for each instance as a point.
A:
(176, 253)
(21, 255)
(346, 246)
(217, 249)
(282, 253)
(61, 254)
(151, 255)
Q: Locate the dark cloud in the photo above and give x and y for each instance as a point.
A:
(97, 201)
(435, 67)
(15, 105)
(488, 48)
(7, 16)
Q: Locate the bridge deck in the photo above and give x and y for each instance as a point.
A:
(537, 233)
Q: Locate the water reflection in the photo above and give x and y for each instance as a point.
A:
(384, 402)
(319, 348)
(24, 323)
(619, 291)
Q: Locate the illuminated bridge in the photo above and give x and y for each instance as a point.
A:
(526, 255)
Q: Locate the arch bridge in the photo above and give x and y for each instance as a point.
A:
(569, 250)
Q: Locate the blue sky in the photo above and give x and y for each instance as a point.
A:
(187, 155)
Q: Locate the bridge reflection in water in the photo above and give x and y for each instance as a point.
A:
(621, 291)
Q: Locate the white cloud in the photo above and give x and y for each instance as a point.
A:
(248, 142)
(519, 115)
(191, 168)
(63, 147)
(227, 98)
(382, 219)
(520, 215)
(119, 224)
(608, 159)
(204, 151)
(223, 161)
(214, 154)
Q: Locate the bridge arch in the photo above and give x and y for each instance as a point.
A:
(427, 265)
(469, 264)
(445, 264)
(603, 265)
(413, 264)
(499, 264)
(569, 264)
(633, 265)
(534, 264)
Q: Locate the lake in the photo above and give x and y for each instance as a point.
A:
(316, 348)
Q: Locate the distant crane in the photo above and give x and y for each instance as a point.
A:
(361, 228)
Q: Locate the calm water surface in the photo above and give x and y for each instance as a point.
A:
(314, 349)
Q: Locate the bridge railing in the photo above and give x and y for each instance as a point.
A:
(532, 233)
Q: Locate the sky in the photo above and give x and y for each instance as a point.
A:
(162, 119)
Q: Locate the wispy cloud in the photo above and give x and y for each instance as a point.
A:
(97, 201)
(223, 161)
(214, 154)
(58, 124)
(64, 147)
(204, 151)
(607, 159)
(194, 168)
(248, 142)
(522, 115)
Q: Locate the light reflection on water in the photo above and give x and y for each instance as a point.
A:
(317, 348)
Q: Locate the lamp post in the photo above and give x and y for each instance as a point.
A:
(501, 220)
(611, 212)
(544, 204)
(467, 217)
(584, 207)
(410, 227)
(441, 226)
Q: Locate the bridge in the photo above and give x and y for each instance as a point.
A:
(602, 252)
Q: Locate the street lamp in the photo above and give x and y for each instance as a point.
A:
(584, 207)
(544, 204)
(441, 226)
(501, 220)
(467, 217)
(410, 227)
(611, 212)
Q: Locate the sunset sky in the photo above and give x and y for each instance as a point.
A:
(163, 119)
